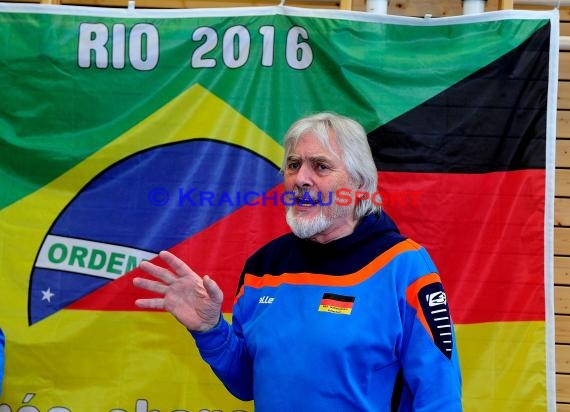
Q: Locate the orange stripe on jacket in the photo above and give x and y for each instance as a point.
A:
(317, 279)
(412, 296)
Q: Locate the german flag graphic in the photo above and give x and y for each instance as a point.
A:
(334, 303)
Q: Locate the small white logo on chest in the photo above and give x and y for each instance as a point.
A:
(266, 299)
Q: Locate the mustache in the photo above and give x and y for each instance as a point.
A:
(300, 192)
(307, 196)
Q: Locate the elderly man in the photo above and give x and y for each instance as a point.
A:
(343, 314)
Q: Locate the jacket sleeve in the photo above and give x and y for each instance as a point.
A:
(223, 348)
(428, 352)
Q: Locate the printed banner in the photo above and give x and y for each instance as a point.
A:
(128, 132)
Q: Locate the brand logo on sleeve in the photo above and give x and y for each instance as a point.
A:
(435, 299)
(433, 303)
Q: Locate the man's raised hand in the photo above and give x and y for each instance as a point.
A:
(194, 301)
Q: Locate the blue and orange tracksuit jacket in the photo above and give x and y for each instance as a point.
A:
(357, 324)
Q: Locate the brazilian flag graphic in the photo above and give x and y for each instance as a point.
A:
(128, 132)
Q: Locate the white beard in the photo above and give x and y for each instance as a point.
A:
(307, 228)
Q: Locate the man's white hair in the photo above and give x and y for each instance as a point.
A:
(355, 151)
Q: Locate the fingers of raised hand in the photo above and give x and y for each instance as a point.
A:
(155, 303)
(177, 265)
(158, 272)
(150, 285)
(213, 289)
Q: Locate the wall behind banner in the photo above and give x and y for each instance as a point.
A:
(439, 8)
(436, 8)
(562, 225)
